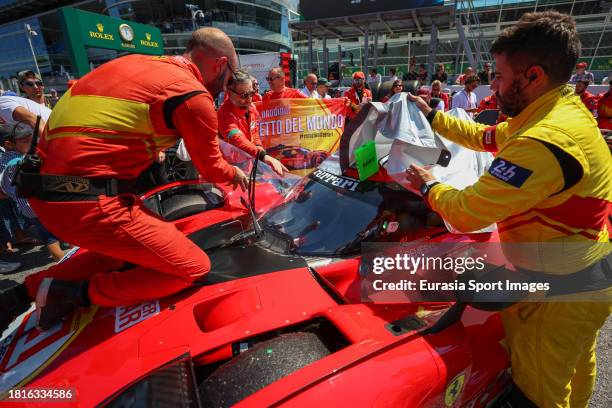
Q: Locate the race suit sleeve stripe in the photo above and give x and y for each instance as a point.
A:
(196, 121)
(472, 135)
(174, 102)
(494, 197)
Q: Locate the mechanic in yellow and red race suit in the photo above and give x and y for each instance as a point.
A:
(550, 183)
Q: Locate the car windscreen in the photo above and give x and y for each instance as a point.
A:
(333, 215)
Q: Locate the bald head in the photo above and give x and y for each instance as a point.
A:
(212, 51)
(212, 40)
(310, 82)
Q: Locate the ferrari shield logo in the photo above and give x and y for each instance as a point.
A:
(453, 390)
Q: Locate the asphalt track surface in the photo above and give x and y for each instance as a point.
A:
(36, 258)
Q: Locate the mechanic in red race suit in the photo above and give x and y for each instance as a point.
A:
(103, 132)
(604, 110)
(239, 120)
(550, 186)
(278, 89)
(589, 100)
(490, 102)
(358, 94)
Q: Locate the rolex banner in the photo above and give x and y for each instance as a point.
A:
(301, 133)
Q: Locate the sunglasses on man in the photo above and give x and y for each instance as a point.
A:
(243, 95)
(398, 86)
(270, 79)
(31, 84)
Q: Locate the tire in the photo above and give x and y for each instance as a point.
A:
(259, 367)
(176, 169)
(181, 206)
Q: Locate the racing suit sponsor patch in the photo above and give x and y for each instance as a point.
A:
(488, 139)
(509, 172)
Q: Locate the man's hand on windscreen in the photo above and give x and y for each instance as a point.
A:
(239, 180)
(420, 103)
(276, 165)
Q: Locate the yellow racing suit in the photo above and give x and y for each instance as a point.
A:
(550, 182)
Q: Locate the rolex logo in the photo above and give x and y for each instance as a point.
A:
(148, 36)
(100, 27)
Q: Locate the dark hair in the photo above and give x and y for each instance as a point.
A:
(392, 70)
(548, 39)
(471, 78)
(374, 71)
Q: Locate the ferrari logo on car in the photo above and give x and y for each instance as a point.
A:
(453, 390)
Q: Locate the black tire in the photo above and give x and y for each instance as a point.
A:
(176, 169)
(260, 366)
(183, 205)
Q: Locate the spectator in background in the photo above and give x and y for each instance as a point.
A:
(604, 110)
(397, 87)
(436, 92)
(278, 90)
(466, 98)
(18, 142)
(582, 74)
(589, 100)
(358, 95)
(393, 74)
(310, 84)
(461, 78)
(322, 89)
(412, 74)
(374, 77)
(440, 75)
(607, 80)
(422, 75)
(486, 75)
(53, 98)
(32, 86)
(256, 96)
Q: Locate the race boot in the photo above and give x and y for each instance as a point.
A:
(14, 300)
(57, 298)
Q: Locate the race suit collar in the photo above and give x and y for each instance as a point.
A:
(543, 102)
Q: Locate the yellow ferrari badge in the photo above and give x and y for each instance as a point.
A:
(453, 390)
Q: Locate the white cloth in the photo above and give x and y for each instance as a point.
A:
(307, 92)
(315, 95)
(8, 104)
(464, 101)
(393, 78)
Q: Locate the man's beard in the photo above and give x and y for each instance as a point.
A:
(216, 85)
(513, 102)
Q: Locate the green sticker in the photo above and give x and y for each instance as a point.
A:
(367, 163)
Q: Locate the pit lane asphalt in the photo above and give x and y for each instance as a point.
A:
(34, 259)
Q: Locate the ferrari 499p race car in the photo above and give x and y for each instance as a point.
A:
(278, 321)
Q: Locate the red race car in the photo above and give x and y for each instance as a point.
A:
(279, 319)
(296, 157)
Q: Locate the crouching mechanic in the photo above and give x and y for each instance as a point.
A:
(103, 132)
(239, 120)
(550, 183)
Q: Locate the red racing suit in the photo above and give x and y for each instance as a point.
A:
(286, 93)
(356, 100)
(490, 102)
(240, 127)
(111, 124)
(589, 100)
(604, 110)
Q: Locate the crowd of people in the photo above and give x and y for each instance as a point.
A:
(554, 172)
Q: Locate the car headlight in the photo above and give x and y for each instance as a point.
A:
(172, 385)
